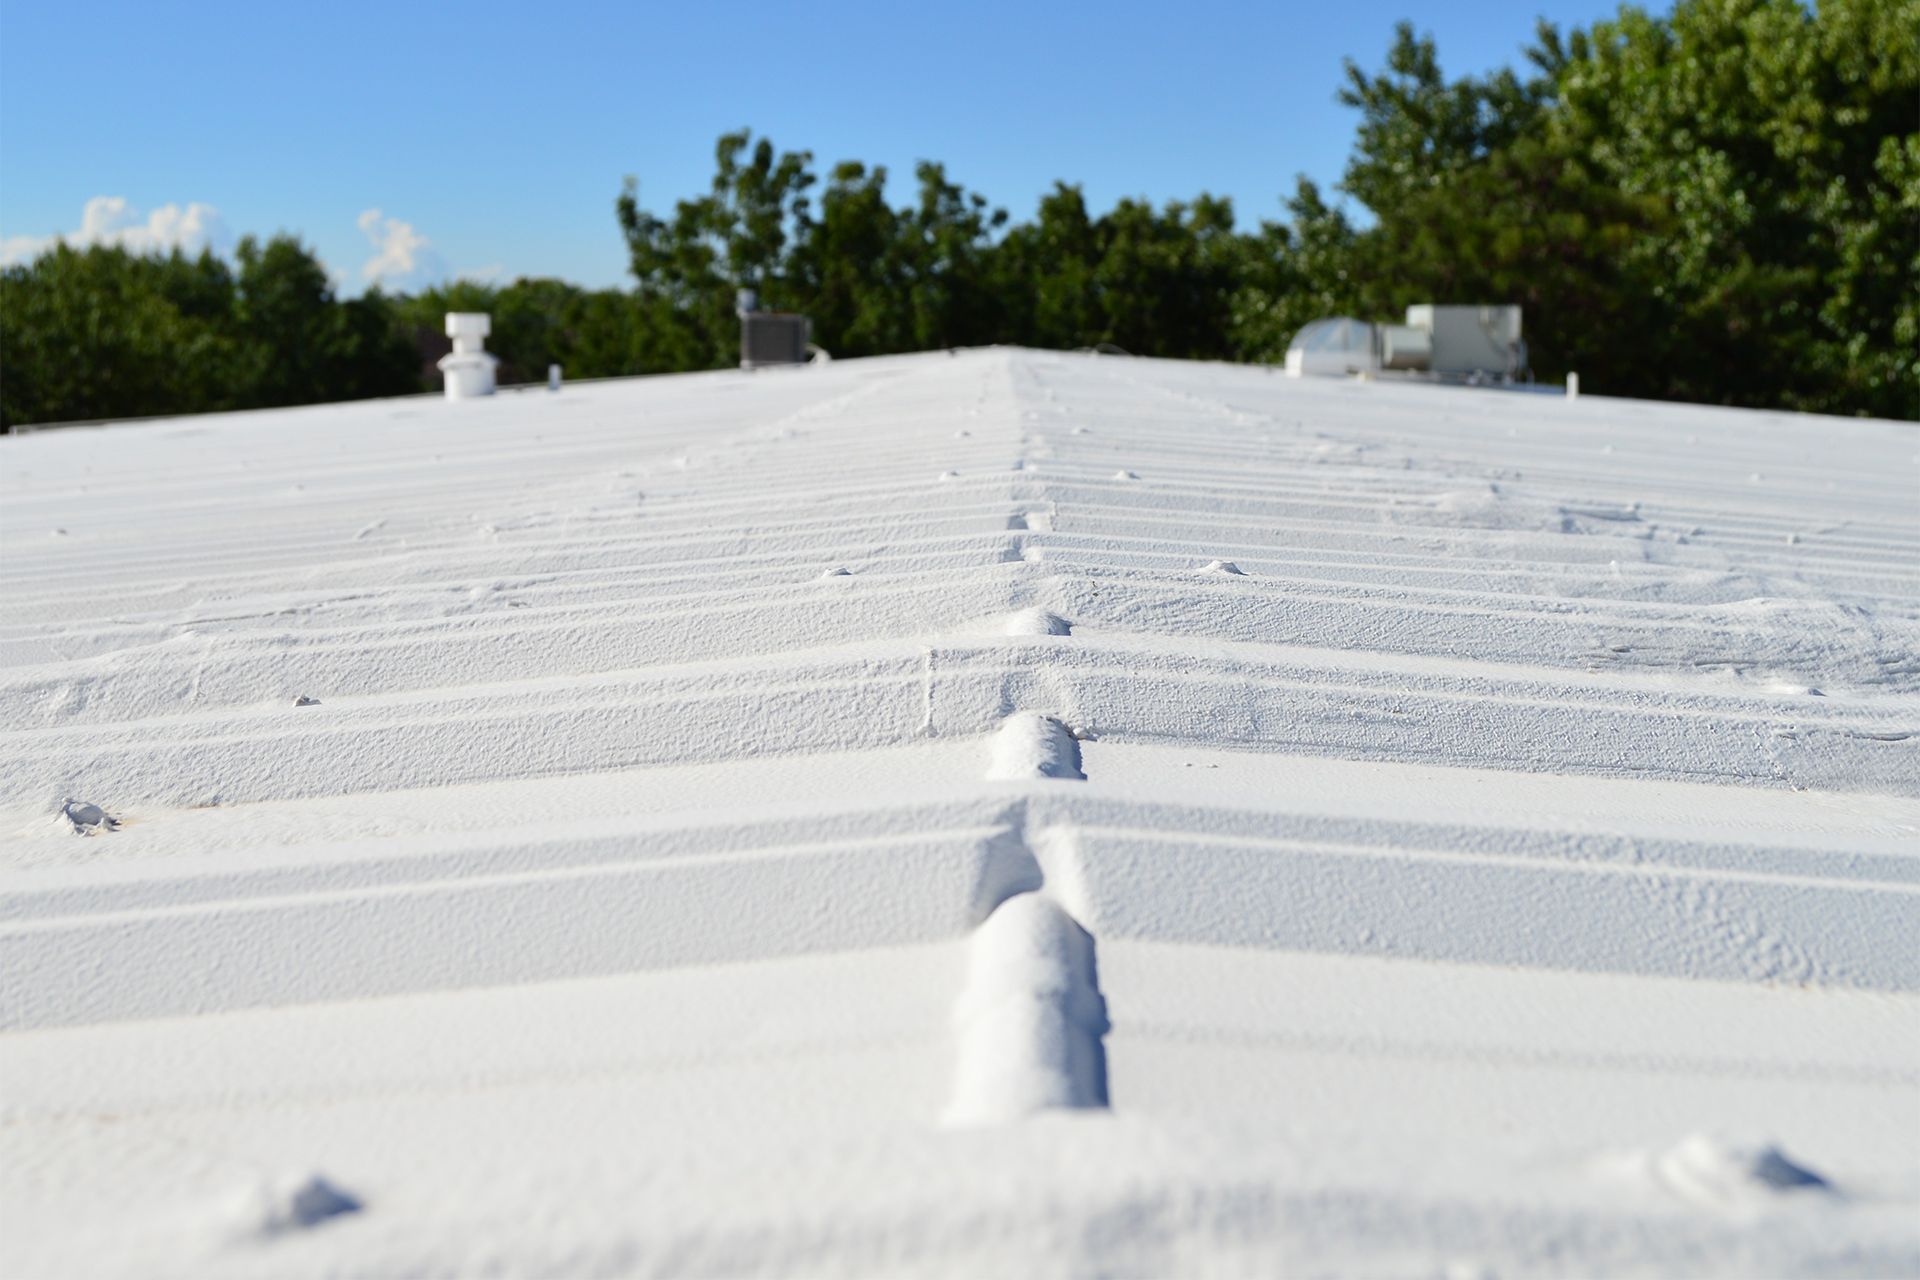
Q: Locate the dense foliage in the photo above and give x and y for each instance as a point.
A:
(1719, 205)
(104, 333)
(1722, 205)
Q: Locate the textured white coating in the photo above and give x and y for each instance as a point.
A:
(610, 833)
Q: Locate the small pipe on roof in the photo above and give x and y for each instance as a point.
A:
(468, 369)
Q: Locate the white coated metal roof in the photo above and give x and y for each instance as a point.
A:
(1004, 812)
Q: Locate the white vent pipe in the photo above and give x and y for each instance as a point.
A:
(468, 369)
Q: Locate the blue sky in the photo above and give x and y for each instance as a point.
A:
(409, 142)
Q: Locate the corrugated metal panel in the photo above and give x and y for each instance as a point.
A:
(959, 814)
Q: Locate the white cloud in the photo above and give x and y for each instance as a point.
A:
(402, 256)
(111, 220)
(21, 249)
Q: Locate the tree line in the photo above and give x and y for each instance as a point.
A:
(1718, 205)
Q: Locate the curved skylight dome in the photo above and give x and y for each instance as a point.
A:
(1336, 345)
(1337, 334)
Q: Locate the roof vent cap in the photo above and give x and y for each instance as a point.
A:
(468, 369)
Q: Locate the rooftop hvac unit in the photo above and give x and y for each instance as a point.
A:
(1470, 340)
(1450, 344)
(772, 337)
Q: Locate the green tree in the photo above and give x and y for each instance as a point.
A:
(1714, 205)
(1784, 147)
(1044, 273)
(104, 333)
(850, 273)
(1164, 277)
(742, 234)
(302, 345)
(948, 244)
(1294, 273)
(100, 332)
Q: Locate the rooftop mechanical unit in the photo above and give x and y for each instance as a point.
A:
(770, 337)
(1450, 344)
(1470, 340)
